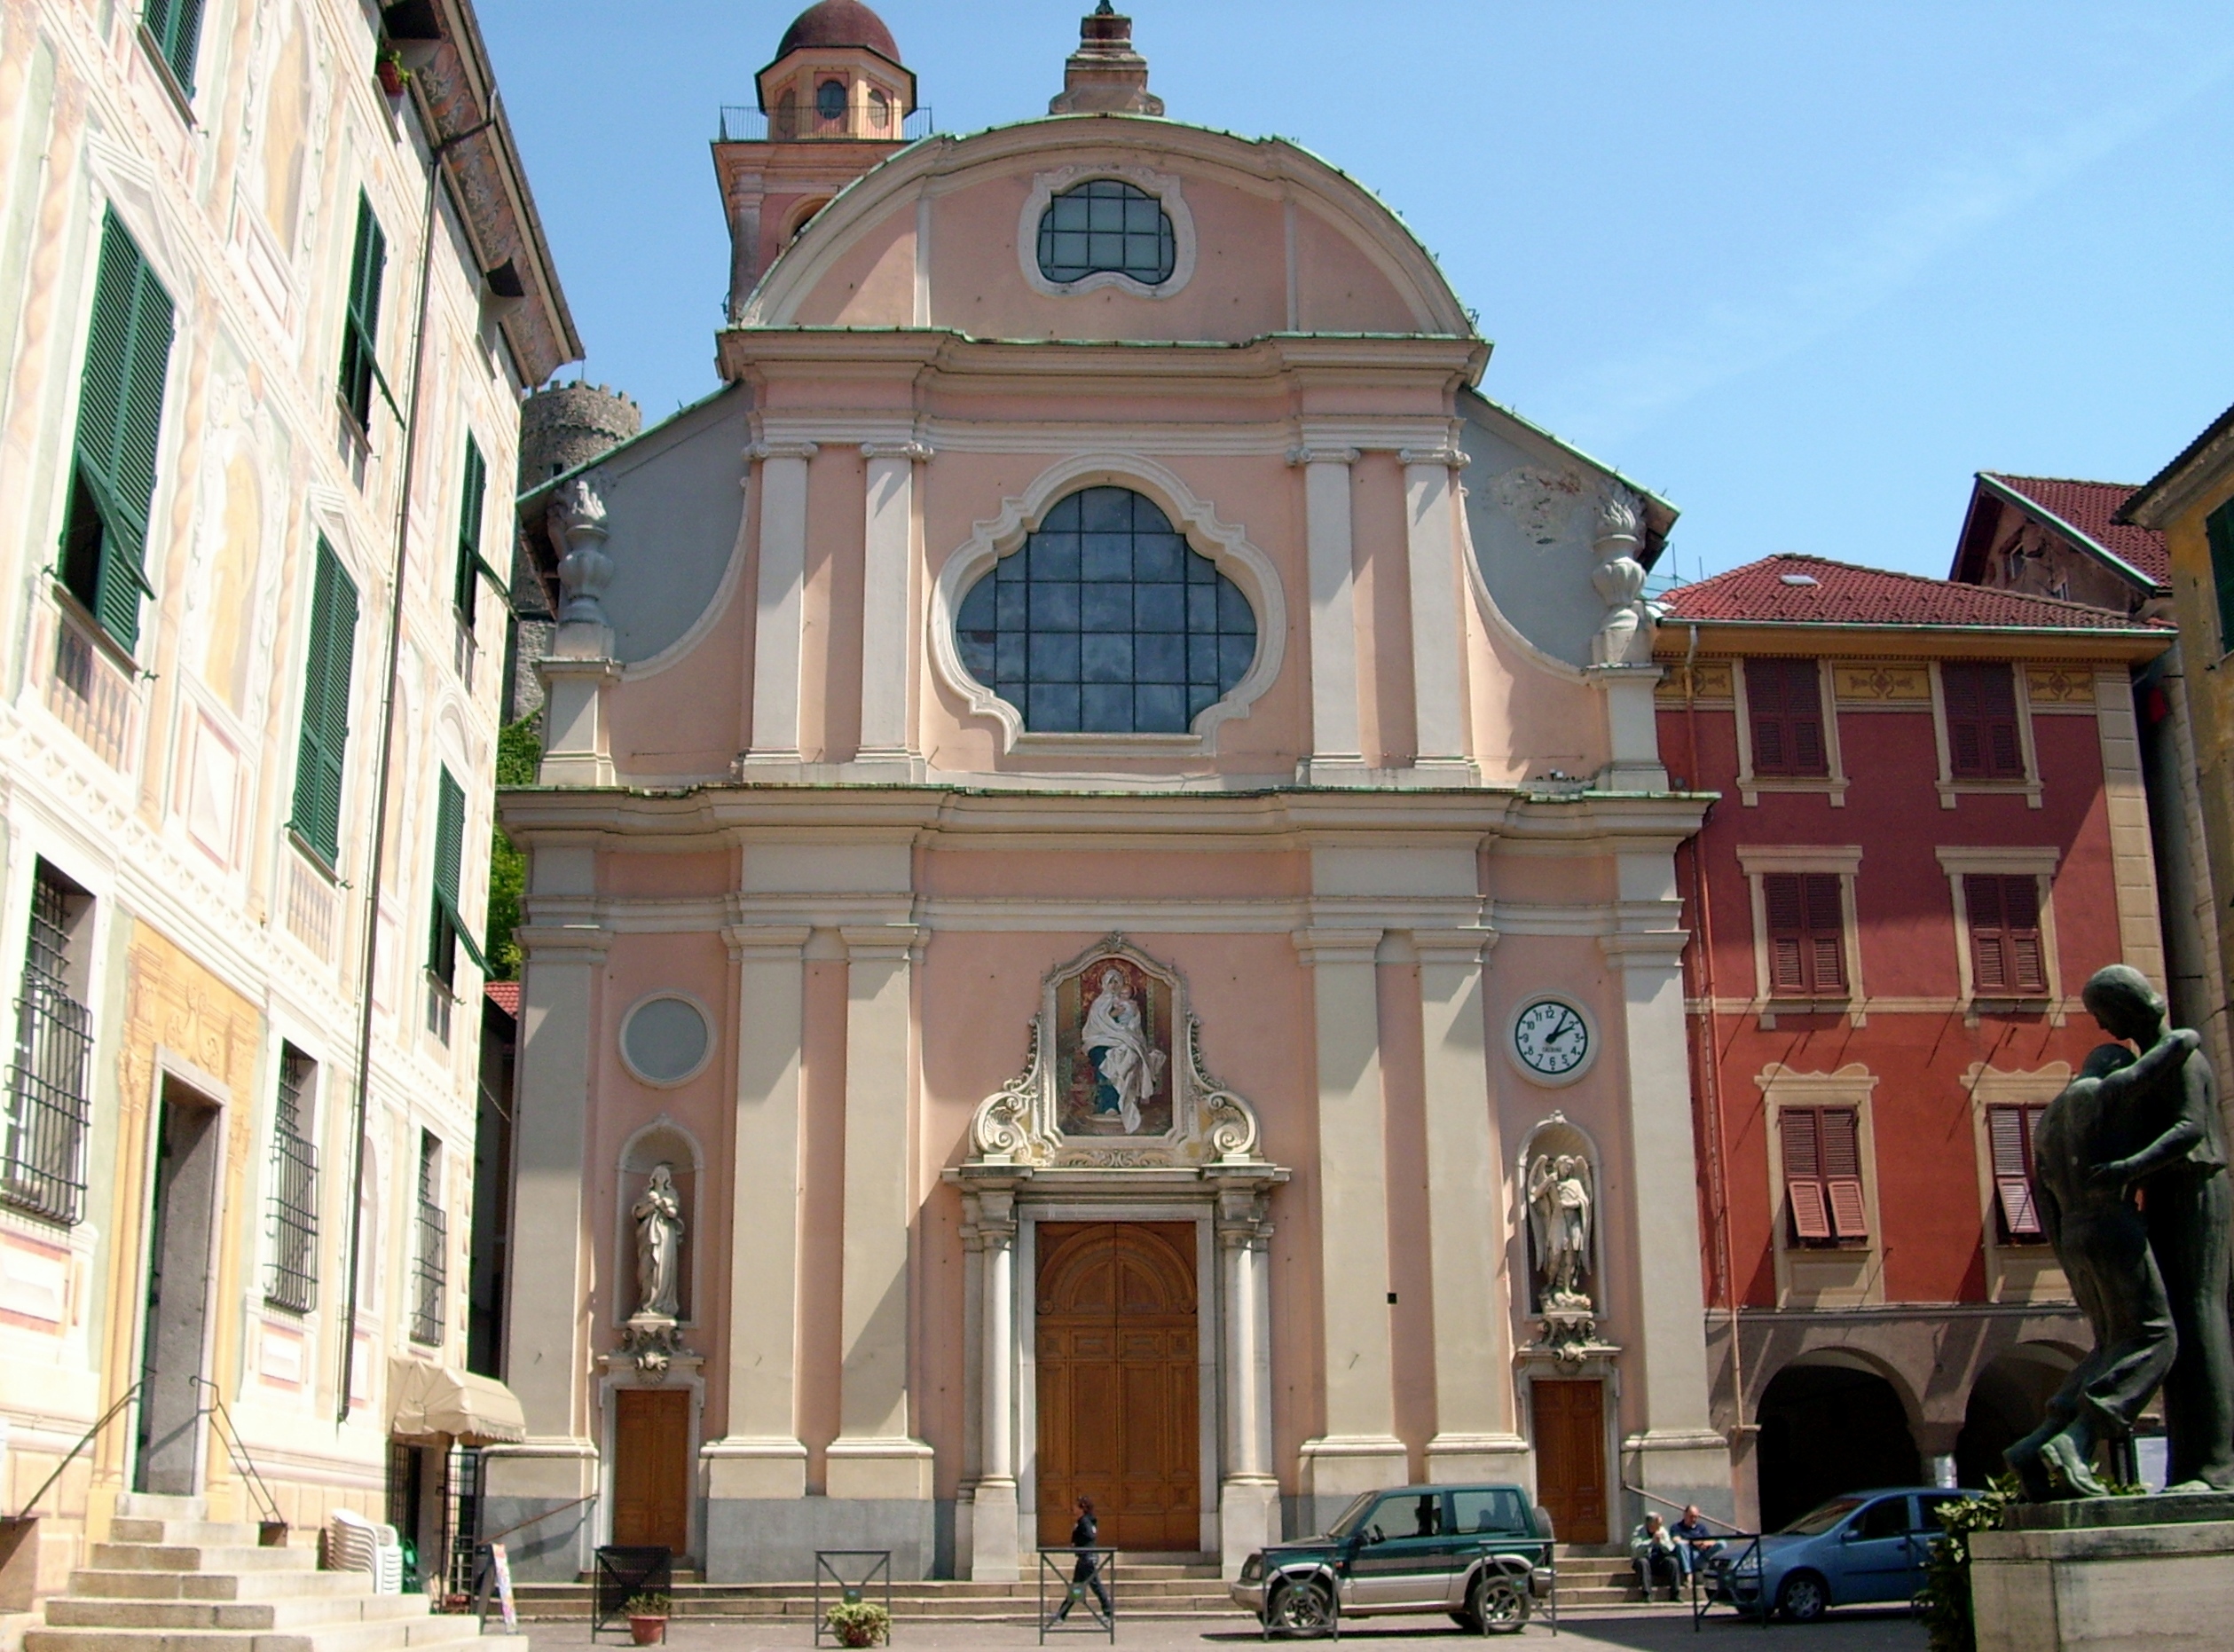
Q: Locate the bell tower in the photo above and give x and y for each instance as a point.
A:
(833, 102)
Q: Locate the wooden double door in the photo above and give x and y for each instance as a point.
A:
(1116, 1333)
(651, 1468)
(1569, 1420)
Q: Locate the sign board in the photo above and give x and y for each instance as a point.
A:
(503, 1564)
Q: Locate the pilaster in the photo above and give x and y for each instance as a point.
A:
(996, 1538)
(887, 748)
(780, 606)
(1438, 614)
(1337, 752)
(1248, 1493)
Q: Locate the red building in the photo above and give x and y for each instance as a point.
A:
(1932, 829)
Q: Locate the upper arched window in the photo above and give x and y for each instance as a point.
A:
(1104, 223)
(1107, 621)
(829, 100)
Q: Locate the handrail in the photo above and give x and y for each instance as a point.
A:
(238, 1451)
(84, 1440)
(1654, 1497)
(482, 1543)
(1763, 1607)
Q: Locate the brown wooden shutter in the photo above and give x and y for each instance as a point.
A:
(1826, 938)
(1805, 923)
(2007, 957)
(1784, 703)
(1842, 1172)
(2010, 1133)
(1786, 911)
(1981, 714)
(1804, 1175)
(2020, 912)
(1989, 950)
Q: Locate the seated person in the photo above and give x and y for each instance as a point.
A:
(1656, 1553)
(1695, 1545)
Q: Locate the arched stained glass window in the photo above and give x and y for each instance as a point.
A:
(1107, 621)
(1106, 224)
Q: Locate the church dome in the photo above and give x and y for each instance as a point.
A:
(839, 23)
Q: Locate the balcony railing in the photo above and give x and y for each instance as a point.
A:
(742, 123)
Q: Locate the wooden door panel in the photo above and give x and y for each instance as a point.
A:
(651, 1468)
(1570, 1458)
(1117, 1381)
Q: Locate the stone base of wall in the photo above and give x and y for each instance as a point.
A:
(2168, 1587)
(774, 1540)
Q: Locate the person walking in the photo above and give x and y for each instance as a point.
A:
(1085, 1537)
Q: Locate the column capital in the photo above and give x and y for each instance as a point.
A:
(1658, 949)
(766, 942)
(866, 942)
(1337, 946)
(563, 943)
(1449, 456)
(919, 451)
(1303, 453)
(782, 450)
(1453, 946)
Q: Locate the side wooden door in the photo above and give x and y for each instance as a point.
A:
(651, 1468)
(1570, 1458)
(1116, 1337)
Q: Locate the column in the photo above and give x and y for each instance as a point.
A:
(1359, 1450)
(888, 562)
(776, 633)
(874, 1457)
(1248, 1494)
(1337, 751)
(1475, 1435)
(997, 1536)
(761, 1458)
(1438, 614)
(546, 1319)
(1676, 1454)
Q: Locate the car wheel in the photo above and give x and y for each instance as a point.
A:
(1498, 1605)
(1301, 1609)
(1803, 1598)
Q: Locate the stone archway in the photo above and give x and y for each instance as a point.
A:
(2007, 1397)
(1829, 1429)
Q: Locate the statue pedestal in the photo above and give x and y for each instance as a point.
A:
(2104, 1574)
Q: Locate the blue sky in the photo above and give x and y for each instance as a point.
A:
(1802, 269)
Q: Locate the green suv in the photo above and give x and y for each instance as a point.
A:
(1479, 1553)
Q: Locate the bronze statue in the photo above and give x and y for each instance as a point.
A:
(2152, 1274)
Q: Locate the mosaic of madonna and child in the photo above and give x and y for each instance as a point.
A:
(1114, 1054)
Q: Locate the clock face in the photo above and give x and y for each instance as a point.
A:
(1551, 1039)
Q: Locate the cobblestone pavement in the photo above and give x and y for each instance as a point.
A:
(1634, 1631)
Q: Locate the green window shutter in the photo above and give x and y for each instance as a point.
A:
(360, 330)
(176, 27)
(120, 418)
(477, 488)
(2218, 527)
(450, 843)
(325, 744)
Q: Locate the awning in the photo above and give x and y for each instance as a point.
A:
(426, 1401)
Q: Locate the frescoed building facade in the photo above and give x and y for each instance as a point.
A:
(218, 374)
(1101, 828)
(1932, 828)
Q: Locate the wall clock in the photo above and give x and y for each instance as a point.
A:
(1553, 1041)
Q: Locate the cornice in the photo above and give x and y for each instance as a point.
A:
(1726, 639)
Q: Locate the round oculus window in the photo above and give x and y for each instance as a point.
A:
(666, 1040)
(829, 100)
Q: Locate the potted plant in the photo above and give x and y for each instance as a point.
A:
(389, 69)
(647, 1619)
(860, 1624)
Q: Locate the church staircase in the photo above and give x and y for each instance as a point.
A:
(170, 1579)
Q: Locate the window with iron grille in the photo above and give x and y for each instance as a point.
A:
(1822, 1174)
(292, 1283)
(430, 1266)
(42, 1140)
(2010, 1132)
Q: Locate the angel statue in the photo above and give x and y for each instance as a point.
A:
(1129, 1066)
(658, 1215)
(1559, 1221)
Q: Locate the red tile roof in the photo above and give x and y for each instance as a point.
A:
(506, 996)
(2092, 509)
(1811, 590)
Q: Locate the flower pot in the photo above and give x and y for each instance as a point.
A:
(857, 1635)
(390, 76)
(648, 1631)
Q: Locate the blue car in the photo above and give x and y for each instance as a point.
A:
(1859, 1547)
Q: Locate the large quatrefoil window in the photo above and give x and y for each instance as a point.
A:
(1106, 224)
(1107, 621)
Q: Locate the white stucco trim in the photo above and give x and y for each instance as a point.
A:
(1162, 186)
(1226, 545)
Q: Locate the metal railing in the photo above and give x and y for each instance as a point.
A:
(1724, 1563)
(221, 1421)
(84, 1440)
(742, 123)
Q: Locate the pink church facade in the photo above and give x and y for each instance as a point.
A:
(1101, 813)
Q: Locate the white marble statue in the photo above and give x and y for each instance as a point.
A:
(1130, 1065)
(658, 1215)
(1559, 1216)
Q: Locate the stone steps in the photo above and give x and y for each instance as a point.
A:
(170, 1579)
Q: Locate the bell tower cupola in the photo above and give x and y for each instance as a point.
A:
(1105, 76)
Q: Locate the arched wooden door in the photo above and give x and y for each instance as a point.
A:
(1118, 1382)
